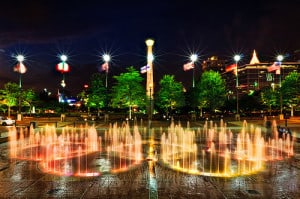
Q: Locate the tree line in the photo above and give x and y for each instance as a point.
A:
(128, 95)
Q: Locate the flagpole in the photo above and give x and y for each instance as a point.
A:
(237, 59)
(279, 59)
(106, 78)
(194, 77)
(106, 58)
(20, 59)
(193, 58)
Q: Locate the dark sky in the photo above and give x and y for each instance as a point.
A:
(84, 30)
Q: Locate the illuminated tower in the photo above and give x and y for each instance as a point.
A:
(149, 84)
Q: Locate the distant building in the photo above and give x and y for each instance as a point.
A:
(256, 75)
(214, 63)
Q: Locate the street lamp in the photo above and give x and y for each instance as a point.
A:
(193, 58)
(106, 59)
(237, 58)
(21, 69)
(279, 59)
(63, 67)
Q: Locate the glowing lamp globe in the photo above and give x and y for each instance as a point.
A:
(237, 58)
(194, 57)
(106, 57)
(149, 42)
(63, 58)
(20, 58)
(280, 57)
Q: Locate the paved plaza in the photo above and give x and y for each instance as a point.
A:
(24, 179)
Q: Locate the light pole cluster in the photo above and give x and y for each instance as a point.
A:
(64, 67)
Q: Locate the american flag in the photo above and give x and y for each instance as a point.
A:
(20, 68)
(274, 66)
(144, 69)
(105, 67)
(188, 66)
(230, 68)
(63, 67)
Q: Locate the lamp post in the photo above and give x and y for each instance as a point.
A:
(21, 69)
(237, 59)
(106, 59)
(193, 58)
(63, 67)
(279, 59)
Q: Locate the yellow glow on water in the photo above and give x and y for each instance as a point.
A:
(221, 156)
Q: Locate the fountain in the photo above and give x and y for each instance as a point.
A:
(218, 152)
(209, 151)
(77, 151)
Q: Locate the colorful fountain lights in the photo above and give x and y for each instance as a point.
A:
(77, 151)
(218, 152)
(211, 151)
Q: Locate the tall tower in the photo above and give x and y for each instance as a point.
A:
(149, 85)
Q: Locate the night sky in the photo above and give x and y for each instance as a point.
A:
(84, 30)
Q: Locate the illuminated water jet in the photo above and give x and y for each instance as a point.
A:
(77, 151)
(210, 151)
(218, 152)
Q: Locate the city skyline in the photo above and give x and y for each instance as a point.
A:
(85, 31)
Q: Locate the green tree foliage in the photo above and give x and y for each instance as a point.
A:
(170, 96)
(211, 91)
(29, 97)
(10, 95)
(128, 90)
(290, 90)
(97, 93)
(269, 97)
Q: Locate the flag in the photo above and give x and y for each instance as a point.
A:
(20, 68)
(104, 67)
(63, 67)
(188, 66)
(230, 68)
(274, 66)
(144, 69)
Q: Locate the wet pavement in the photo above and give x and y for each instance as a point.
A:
(23, 179)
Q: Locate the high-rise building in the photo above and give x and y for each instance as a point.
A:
(256, 75)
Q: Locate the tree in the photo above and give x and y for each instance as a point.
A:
(170, 95)
(211, 91)
(269, 97)
(97, 94)
(10, 95)
(290, 90)
(29, 97)
(128, 90)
